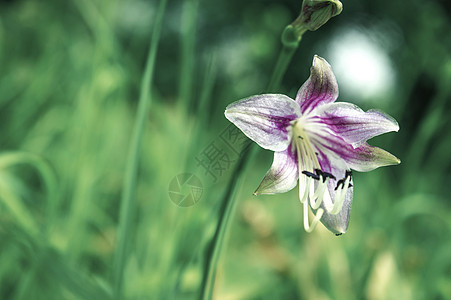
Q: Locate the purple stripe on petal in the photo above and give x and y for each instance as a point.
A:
(320, 88)
(363, 158)
(265, 119)
(353, 124)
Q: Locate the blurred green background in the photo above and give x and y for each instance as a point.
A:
(70, 75)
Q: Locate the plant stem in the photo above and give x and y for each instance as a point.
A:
(282, 63)
(226, 211)
(290, 41)
(127, 205)
(290, 44)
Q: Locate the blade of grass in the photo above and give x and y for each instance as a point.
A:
(80, 286)
(14, 203)
(127, 205)
(188, 30)
(203, 106)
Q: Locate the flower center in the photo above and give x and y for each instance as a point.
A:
(312, 180)
(304, 149)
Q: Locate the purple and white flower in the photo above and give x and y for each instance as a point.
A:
(317, 142)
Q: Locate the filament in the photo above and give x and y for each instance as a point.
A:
(310, 227)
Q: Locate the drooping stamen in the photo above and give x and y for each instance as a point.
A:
(319, 193)
(341, 194)
(341, 182)
(310, 227)
(306, 191)
(304, 184)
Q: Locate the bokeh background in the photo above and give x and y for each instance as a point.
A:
(70, 75)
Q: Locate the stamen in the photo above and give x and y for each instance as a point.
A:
(341, 182)
(306, 191)
(341, 195)
(324, 174)
(319, 193)
(319, 214)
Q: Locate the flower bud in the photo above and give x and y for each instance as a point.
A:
(316, 13)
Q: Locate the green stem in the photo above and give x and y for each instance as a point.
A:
(127, 207)
(226, 212)
(282, 63)
(290, 42)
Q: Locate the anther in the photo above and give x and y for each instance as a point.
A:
(300, 137)
(309, 174)
(340, 196)
(324, 175)
(341, 182)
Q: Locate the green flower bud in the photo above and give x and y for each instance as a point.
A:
(316, 13)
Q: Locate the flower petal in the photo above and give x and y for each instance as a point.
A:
(364, 158)
(321, 87)
(367, 158)
(353, 124)
(282, 176)
(265, 119)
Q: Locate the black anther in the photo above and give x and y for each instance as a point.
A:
(342, 181)
(324, 175)
(309, 174)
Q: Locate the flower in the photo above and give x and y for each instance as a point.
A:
(317, 142)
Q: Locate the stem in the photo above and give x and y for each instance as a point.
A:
(226, 213)
(127, 205)
(290, 42)
(282, 63)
